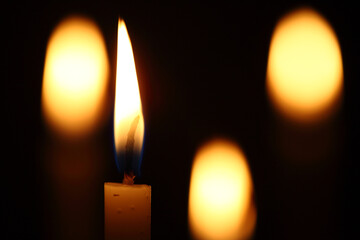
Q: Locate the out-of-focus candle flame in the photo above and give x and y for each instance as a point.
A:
(220, 196)
(305, 71)
(128, 116)
(75, 77)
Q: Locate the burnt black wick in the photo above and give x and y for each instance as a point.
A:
(129, 148)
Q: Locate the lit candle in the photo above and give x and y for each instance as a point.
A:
(305, 87)
(73, 103)
(220, 197)
(127, 206)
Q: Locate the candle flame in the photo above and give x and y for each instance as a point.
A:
(128, 116)
(305, 71)
(220, 196)
(75, 77)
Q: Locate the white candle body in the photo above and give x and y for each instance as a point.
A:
(127, 211)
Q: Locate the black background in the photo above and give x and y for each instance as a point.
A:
(201, 71)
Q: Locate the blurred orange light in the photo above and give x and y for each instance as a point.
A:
(220, 196)
(305, 71)
(128, 116)
(75, 77)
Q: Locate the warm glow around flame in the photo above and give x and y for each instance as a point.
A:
(127, 96)
(75, 77)
(305, 71)
(220, 196)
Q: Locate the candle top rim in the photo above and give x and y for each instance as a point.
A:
(115, 184)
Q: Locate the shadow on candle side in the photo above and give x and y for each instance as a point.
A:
(74, 176)
(306, 178)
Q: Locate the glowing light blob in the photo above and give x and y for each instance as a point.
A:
(305, 71)
(220, 196)
(75, 77)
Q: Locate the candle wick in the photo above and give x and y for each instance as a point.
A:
(129, 178)
(129, 152)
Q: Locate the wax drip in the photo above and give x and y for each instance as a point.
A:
(129, 152)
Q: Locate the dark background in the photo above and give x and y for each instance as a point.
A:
(201, 71)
